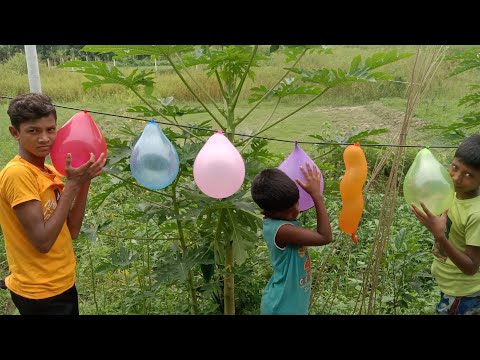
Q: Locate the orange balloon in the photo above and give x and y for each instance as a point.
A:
(351, 189)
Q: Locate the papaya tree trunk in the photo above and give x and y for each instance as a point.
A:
(229, 281)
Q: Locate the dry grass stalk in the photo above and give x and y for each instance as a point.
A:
(426, 64)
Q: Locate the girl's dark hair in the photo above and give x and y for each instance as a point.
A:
(29, 107)
(469, 151)
(273, 190)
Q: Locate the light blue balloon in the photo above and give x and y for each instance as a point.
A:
(154, 160)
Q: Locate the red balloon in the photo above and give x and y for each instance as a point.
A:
(79, 136)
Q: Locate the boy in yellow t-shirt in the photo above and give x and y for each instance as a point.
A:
(39, 215)
(457, 235)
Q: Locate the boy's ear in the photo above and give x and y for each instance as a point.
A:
(14, 132)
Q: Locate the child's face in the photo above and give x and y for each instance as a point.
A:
(36, 137)
(465, 179)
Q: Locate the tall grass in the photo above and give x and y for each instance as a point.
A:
(65, 86)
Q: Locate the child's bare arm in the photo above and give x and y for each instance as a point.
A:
(293, 235)
(467, 261)
(43, 233)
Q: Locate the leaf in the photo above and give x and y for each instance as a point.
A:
(470, 60)
(286, 89)
(134, 50)
(98, 199)
(257, 93)
(98, 73)
(471, 99)
(242, 239)
(358, 71)
(383, 58)
(273, 48)
(90, 233)
(293, 51)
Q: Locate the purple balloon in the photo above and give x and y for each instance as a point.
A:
(291, 167)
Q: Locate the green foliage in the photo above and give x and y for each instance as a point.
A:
(358, 71)
(469, 123)
(100, 73)
(173, 255)
(469, 59)
(16, 64)
(135, 50)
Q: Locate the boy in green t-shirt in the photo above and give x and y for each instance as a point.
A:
(457, 235)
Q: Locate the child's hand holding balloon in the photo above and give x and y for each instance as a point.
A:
(435, 224)
(86, 172)
(429, 182)
(312, 177)
(79, 137)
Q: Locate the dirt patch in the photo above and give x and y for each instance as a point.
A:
(367, 117)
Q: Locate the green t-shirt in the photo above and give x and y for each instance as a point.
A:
(463, 228)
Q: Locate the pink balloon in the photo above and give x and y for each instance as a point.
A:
(219, 169)
(79, 136)
(291, 167)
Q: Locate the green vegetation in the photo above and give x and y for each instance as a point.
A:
(139, 268)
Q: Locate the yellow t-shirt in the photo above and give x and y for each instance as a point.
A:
(463, 228)
(32, 274)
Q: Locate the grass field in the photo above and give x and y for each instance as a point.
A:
(341, 111)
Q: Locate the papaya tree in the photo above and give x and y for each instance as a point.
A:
(215, 234)
(467, 123)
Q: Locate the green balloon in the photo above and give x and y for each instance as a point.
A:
(429, 182)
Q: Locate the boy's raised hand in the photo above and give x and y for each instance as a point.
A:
(435, 224)
(85, 172)
(312, 180)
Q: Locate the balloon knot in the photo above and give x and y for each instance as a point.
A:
(427, 147)
(219, 132)
(354, 238)
(85, 111)
(357, 144)
(153, 121)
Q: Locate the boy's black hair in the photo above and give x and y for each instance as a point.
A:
(273, 190)
(468, 152)
(29, 107)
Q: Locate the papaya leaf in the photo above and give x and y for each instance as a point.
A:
(293, 51)
(135, 50)
(257, 93)
(242, 238)
(470, 59)
(99, 73)
(471, 99)
(96, 201)
(284, 90)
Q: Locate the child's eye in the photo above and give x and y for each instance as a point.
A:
(468, 174)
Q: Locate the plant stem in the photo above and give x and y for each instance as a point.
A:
(293, 112)
(261, 127)
(199, 86)
(238, 90)
(193, 92)
(139, 186)
(273, 87)
(92, 276)
(163, 116)
(229, 279)
(193, 293)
